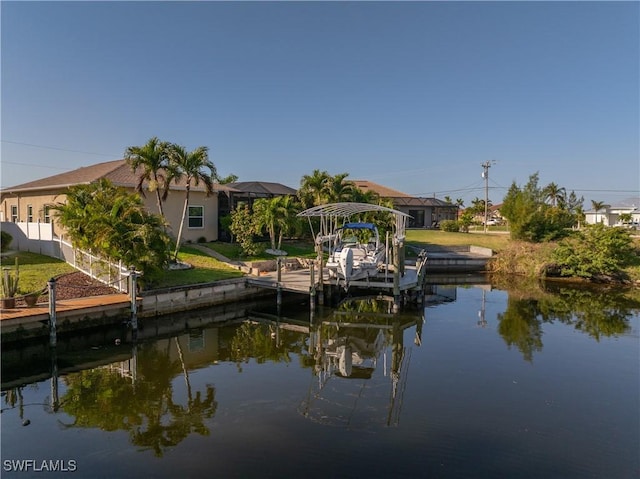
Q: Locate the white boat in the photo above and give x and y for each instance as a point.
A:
(354, 247)
(356, 252)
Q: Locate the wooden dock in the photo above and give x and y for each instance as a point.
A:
(299, 281)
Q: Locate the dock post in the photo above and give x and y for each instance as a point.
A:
(53, 336)
(312, 288)
(279, 286)
(54, 400)
(396, 276)
(320, 278)
(134, 303)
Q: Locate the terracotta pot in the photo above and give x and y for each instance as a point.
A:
(31, 299)
(8, 303)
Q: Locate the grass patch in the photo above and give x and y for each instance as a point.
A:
(297, 249)
(35, 270)
(205, 270)
(496, 242)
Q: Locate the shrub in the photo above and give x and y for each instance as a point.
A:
(596, 251)
(5, 241)
(450, 226)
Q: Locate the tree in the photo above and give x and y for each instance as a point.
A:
(114, 224)
(190, 165)
(338, 188)
(243, 228)
(313, 190)
(597, 206)
(530, 217)
(228, 179)
(459, 204)
(554, 193)
(277, 215)
(597, 250)
(153, 160)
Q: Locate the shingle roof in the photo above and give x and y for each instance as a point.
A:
(383, 191)
(262, 188)
(399, 198)
(117, 171)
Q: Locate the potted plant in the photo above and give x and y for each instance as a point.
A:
(31, 299)
(10, 286)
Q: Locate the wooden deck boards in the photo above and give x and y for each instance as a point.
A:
(299, 281)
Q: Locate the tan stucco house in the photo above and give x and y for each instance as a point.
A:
(32, 201)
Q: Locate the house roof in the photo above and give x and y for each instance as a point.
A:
(399, 198)
(262, 188)
(117, 171)
(383, 191)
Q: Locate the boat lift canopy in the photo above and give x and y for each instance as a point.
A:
(334, 215)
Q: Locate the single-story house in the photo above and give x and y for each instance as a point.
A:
(610, 215)
(424, 212)
(32, 201)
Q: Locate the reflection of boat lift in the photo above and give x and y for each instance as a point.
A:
(347, 348)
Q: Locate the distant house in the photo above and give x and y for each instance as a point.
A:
(248, 192)
(32, 202)
(424, 212)
(610, 215)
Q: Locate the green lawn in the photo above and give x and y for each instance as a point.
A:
(495, 241)
(35, 270)
(205, 270)
(298, 249)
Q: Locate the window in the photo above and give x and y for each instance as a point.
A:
(30, 213)
(417, 220)
(196, 216)
(47, 214)
(14, 213)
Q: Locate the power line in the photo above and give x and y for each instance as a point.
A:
(35, 166)
(58, 149)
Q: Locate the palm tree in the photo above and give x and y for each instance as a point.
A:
(554, 193)
(190, 165)
(597, 206)
(277, 215)
(153, 159)
(459, 204)
(339, 189)
(312, 188)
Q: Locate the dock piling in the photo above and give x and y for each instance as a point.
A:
(53, 337)
(134, 304)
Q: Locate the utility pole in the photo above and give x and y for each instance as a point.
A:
(485, 174)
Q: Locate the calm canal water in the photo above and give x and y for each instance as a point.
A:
(479, 383)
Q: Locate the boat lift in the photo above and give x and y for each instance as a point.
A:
(331, 217)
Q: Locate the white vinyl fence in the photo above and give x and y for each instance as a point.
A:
(39, 238)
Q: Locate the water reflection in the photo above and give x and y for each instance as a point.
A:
(598, 312)
(355, 354)
(137, 396)
(347, 347)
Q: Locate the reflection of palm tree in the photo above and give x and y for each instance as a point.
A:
(185, 372)
(104, 398)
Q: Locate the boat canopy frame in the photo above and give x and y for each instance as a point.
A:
(335, 215)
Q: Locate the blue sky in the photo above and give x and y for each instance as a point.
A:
(412, 95)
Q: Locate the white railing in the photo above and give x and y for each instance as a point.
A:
(39, 238)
